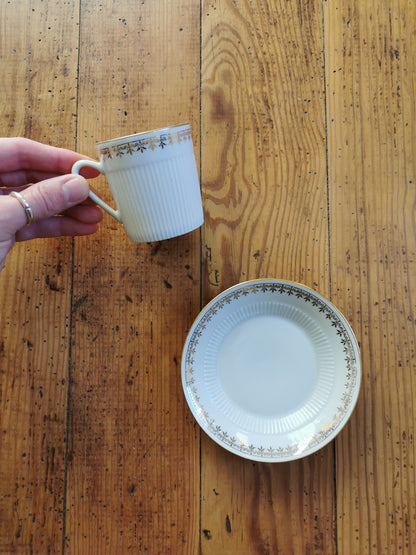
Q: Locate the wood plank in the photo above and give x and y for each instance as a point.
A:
(133, 474)
(264, 143)
(38, 68)
(371, 136)
(264, 181)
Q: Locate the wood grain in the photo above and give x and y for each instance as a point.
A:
(264, 181)
(263, 137)
(38, 68)
(133, 473)
(371, 138)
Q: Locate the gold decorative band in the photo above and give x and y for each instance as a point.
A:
(149, 143)
(350, 361)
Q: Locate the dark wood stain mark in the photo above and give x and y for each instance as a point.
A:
(79, 302)
(156, 249)
(207, 534)
(228, 524)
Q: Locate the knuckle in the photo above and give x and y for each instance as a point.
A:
(22, 145)
(49, 201)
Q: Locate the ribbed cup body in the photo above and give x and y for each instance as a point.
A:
(156, 190)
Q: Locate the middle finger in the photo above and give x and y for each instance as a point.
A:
(86, 212)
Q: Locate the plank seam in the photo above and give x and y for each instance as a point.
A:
(334, 476)
(71, 294)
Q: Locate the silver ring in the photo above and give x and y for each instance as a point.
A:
(25, 204)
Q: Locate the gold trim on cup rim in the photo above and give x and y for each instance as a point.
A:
(151, 132)
(144, 141)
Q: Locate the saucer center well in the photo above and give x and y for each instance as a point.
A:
(267, 365)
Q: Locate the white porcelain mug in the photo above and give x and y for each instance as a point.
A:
(154, 182)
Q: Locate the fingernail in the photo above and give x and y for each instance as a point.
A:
(76, 189)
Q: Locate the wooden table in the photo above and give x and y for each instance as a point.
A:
(304, 127)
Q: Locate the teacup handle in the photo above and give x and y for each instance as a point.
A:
(96, 166)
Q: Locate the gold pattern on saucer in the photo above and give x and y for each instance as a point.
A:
(350, 358)
(163, 140)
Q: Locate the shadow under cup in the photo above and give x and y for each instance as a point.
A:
(154, 181)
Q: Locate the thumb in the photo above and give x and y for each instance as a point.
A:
(51, 196)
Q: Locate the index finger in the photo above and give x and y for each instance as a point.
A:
(18, 154)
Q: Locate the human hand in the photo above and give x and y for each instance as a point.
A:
(58, 200)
